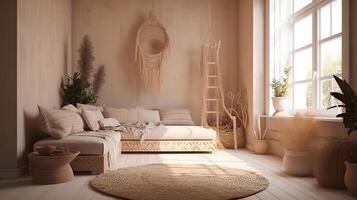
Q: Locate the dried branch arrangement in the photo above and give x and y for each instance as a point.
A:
(258, 134)
(238, 107)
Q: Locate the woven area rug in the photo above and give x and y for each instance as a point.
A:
(176, 182)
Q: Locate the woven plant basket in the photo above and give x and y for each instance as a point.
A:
(329, 167)
(227, 138)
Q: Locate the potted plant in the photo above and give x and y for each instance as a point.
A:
(84, 86)
(348, 99)
(260, 145)
(299, 158)
(280, 89)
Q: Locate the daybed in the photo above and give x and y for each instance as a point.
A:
(137, 130)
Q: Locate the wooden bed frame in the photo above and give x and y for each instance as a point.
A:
(168, 146)
(95, 164)
(98, 164)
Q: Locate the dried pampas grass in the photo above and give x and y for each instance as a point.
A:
(300, 131)
(99, 79)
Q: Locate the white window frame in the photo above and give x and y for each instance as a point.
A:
(313, 9)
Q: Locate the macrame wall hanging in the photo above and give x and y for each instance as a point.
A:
(151, 51)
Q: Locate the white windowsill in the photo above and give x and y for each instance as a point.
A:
(323, 119)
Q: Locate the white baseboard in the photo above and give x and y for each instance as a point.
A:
(13, 173)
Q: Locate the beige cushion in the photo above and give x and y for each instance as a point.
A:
(108, 123)
(92, 117)
(60, 123)
(123, 115)
(145, 115)
(176, 117)
(164, 133)
(71, 107)
(85, 144)
(89, 107)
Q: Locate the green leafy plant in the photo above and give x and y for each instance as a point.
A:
(84, 86)
(74, 92)
(281, 86)
(349, 99)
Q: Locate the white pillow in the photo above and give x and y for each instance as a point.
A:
(123, 115)
(176, 117)
(60, 123)
(108, 123)
(148, 115)
(89, 107)
(92, 117)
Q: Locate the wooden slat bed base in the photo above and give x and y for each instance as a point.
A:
(169, 146)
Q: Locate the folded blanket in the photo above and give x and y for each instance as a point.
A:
(139, 129)
(110, 138)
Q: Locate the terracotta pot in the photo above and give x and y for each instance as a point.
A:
(351, 177)
(260, 146)
(281, 105)
(298, 163)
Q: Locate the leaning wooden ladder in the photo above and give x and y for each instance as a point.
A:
(212, 91)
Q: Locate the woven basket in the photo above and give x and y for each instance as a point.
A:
(329, 167)
(227, 138)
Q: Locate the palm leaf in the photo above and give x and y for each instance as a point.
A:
(349, 100)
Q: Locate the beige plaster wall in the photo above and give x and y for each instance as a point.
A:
(353, 44)
(43, 38)
(8, 84)
(112, 26)
(251, 59)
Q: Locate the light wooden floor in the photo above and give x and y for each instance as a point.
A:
(281, 186)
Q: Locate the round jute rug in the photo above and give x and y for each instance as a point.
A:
(179, 182)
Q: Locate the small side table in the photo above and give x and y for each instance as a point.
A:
(51, 169)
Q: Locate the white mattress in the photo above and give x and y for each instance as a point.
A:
(166, 133)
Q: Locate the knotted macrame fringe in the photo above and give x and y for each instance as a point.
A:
(151, 64)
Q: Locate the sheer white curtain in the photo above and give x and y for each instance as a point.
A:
(280, 38)
(281, 35)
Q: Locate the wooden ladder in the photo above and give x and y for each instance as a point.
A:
(212, 91)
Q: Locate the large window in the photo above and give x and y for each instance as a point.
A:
(309, 36)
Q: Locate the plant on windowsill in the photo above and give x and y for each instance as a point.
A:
(299, 158)
(349, 102)
(83, 87)
(280, 89)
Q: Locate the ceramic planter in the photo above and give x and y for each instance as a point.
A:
(351, 177)
(260, 146)
(281, 105)
(298, 162)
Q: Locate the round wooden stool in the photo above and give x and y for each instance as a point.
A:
(52, 168)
